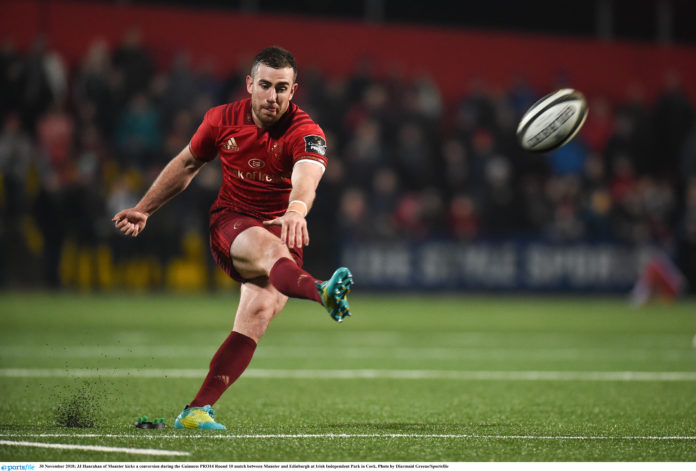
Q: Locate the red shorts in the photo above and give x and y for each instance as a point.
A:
(225, 226)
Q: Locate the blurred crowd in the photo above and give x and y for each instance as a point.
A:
(81, 141)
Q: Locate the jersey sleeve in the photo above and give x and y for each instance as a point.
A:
(204, 141)
(309, 143)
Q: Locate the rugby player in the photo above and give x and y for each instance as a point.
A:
(273, 156)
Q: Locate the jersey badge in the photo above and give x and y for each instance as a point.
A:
(276, 150)
(315, 144)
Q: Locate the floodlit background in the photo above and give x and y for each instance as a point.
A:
(426, 188)
(427, 191)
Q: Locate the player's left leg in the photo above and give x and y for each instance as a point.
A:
(259, 303)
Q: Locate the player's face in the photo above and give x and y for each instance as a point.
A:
(271, 91)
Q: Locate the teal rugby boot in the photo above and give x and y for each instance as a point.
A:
(334, 291)
(198, 417)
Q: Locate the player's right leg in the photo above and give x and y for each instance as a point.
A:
(259, 252)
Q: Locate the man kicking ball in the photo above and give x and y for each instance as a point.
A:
(273, 156)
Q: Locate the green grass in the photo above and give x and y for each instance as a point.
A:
(504, 414)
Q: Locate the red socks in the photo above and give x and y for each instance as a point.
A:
(228, 363)
(293, 281)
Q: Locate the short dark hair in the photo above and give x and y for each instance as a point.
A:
(275, 57)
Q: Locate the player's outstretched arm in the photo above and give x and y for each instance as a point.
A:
(305, 179)
(171, 181)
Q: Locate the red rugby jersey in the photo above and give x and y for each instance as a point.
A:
(257, 163)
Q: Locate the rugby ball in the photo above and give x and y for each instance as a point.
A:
(552, 121)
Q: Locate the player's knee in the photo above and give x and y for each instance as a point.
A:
(280, 303)
(276, 251)
(265, 311)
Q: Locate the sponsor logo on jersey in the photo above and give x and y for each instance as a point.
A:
(256, 163)
(315, 144)
(231, 144)
(256, 176)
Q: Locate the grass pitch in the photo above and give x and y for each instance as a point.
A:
(433, 378)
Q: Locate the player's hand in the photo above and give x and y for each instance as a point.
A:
(130, 221)
(293, 230)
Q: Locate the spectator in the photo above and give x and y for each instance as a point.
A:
(181, 86)
(354, 217)
(537, 210)
(133, 64)
(384, 199)
(365, 152)
(138, 132)
(500, 205)
(642, 135)
(44, 79)
(16, 156)
(673, 116)
(687, 155)
(94, 85)
(428, 100)
(456, 169)
(463, 218)
(415, 159)
(482, 150)
(56, 136)
(599, 126)
(11, 69)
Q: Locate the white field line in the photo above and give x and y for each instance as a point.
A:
(107, 449)
(449, 353)
(359, 374)
(155, 436)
